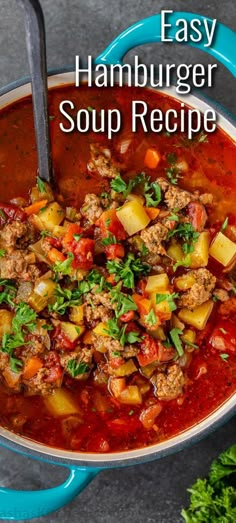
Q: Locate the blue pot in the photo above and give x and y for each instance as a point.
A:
(83, 467)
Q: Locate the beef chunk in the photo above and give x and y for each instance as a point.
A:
(38, 384)
(91, 209)
(11, 233)
(174, 197)
(153, 237)
(101, 162)
(79, 355)
(169, 384)
(221, 294)
(97, 306)
(18, 265)
(201, 291)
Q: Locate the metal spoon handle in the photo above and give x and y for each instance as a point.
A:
(36, 48)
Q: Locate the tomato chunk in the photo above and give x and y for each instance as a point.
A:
(109, 223)
(10, 212)
(197, 215)
(83, 254)
(223, 337)
(114, 251)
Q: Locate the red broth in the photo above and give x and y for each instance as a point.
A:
(212, 168)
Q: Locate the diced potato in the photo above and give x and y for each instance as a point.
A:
(77, 314)
(199, 316)
(5, 321)
(61, 403)
(175, 252)
(131, 395)
(185, 282)
(199, 257)
(148, 370)
(116, 386)
(48, 218)
(47, 194)
(189, 336)
(101, 329)
(59, 230)
(71, 331)
(162, 309)
(157, 283)
(133, 217)
(126, 369)
(176, 323)
(37, 249)
(136, 197)
(158, 333)
(45, 287)
(37, 302)
(223, 249)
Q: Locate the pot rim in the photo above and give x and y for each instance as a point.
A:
(221, 415)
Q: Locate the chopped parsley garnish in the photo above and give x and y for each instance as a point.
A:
(224, 356)
(172, 172)
(151, 318)
(174, 335)
(109, 240)
(45, 233)
(173, 217)
(77, 368)
(64, 267)
(169, 298)
(2, 253)
(223, 330)
(8, 292)
(64, 298)
(152, 193)
(125, 303)
(186, 232)
(185, 262)
(2, 214)
(119, 333)
(23, 322)
(40, 184)
(225, 224)
(77, 237)
(118, 184)
(127, 270)
(202, 138)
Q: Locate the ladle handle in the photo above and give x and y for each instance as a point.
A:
(36, 48)
(148, 30)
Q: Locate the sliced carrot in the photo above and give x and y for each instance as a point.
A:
(143, 304)
(111, 279)
(152, 212)
(55, 256)
(152, 158)
(32, 366)
(73, 229)
(88, 338)
(35, 207)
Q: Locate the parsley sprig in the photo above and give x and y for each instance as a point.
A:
(124, 302)
(126, 270)
(186, 232)
(23, 322)
(115, 331)
(76, 368)
(8, 292)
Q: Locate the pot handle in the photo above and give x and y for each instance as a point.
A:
(24, 505)
(148, 30)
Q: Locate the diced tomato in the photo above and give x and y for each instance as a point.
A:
(125, 425)
(223, 337)
(10, 212)
(165, 353)
(197, 215)
(116, 361)
(62, 342)
(228, 308)
(141, 288)
(69, 240)
(55, 242)
(128, 316)
(115, 250)
(55, 256)
(109, 223)
(143, 304)
(83, 254)
(98, 443)
(149, 351)
(148, 416)
(55, 375)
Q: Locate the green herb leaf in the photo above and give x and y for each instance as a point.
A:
(151, 318)
(77, 368)
(118, 184)
(224, 356)
(77, 237)
(225, 224)
(174, 335)
(2, 253)
(185, 262)
(41, 185)
(109, 240)
(15, 364)
(64, 267)
(169, 298)
(2, 214)
(126, 270)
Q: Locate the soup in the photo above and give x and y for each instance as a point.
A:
(117, 289)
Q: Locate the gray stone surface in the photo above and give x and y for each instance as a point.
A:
(152, 493)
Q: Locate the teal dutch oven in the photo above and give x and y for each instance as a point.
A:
(84, 467)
